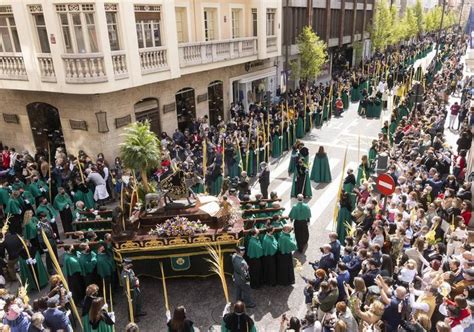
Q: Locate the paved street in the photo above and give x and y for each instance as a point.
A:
(204, 299)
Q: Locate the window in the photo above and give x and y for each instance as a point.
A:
(254, 22)
(42, 34)
(271, 21)
(9, 41)
(148, 20)
(236, 23)
(181, 24)
(112, 26)
(210, 32)
(78, 28)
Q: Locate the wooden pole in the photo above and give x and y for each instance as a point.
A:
(104, 291)
(338, 197)
(129, 298)
(122, 206)
(49, 174)
(29, 257)
(165, 292)
(60, 274)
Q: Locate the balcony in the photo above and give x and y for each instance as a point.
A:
(119, 62)
(12, 67)
(153, 59)
(46, 65)
(193, 54)
(84, 68)
(272, 44)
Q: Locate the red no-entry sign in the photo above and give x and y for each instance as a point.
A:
(385, 184)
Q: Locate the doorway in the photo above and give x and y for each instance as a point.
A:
(215, 92)
(185, 108)
(148, 109)
(46, 126)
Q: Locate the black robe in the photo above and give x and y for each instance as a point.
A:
(285, 270)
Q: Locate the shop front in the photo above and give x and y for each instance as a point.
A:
(256, 87)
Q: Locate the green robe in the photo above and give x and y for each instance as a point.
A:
(27, 276)
(345, 99)
(48, 210)
(321, 172)
(38, 188)
(355, 95)
(30, 231)
(88, 262)
(372, 154)
(28, 198)
(300, 131)
(292, 165)
(363, 173)
(102, 327)
(269, 245)
(307, 191)
(300, 211)
(4, 196)
(251, 163)
(71, 264)
(62, 202)
(13, 206)
(276, 146)
(286, 243)
(216, 186)
(87, 198)
(391, 129)
(254, 248)
(18, 185)
(105, 265)
(343, 216)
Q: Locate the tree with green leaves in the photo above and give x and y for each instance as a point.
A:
(419, 16)
(313, 55)
(140, 150)
(410, 24)
(383, 30)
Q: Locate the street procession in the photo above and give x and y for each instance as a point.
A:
(334, 196)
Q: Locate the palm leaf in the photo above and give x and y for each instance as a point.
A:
(217, 266)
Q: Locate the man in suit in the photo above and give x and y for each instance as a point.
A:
(327, 260)
(55, 319)
(241, 268)
(264, 179)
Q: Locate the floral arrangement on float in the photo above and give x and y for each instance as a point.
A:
(179, 226)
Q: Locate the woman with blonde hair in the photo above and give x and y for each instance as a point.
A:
(371, 316)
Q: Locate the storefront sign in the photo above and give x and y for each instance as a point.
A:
(78, 124)
(169, 108)
(123, 121)
(201, 98)
(253, 64)
(11, 118)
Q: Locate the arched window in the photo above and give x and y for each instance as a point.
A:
(185, 108)
(45, 125)
(215, 95)
(148, 109)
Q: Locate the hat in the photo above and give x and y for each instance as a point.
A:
(240, 248)
(127, 261)
(263, 164)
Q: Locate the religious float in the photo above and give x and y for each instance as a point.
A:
(175, 228)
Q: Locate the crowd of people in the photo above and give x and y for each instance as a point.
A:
(401, 263)
(405, 263)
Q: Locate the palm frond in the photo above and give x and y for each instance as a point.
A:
(217, 266)
(350, 229)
